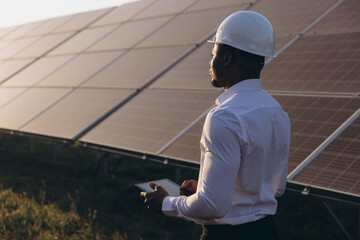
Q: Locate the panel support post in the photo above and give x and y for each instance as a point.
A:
(338, 222)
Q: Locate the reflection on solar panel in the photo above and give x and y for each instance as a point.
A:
(42, 46)
(79, 69)
(136, 67)
(16, 46)
(129, 37)
(189, 28)
(49, 26)
(191, 73)
(22, 30)
(207, 4)
(75, 112)
(188, 146)
(292, 16)
(164, 7)
(37, 71)
(28, 105)
(151, 119)
(313, 119)
(82, 41)
(8, 68)
(321, 63)
(7, 94)
(344, 18)
(81, 20)
(338, 167)
(6, 31)
(124, 12)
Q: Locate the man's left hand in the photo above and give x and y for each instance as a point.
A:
(155, 198)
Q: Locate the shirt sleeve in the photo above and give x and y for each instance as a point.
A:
(219, 171)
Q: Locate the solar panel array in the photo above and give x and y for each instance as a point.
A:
(135, 78)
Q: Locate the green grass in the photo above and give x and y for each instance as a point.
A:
(69, 197)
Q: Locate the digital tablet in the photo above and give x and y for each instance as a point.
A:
(172, 188)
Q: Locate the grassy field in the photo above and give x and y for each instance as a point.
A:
(71, 199)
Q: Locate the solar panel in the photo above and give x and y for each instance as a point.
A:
(21, 30)
(344, 18)
(313, 119)
(37, 71)
(16, 46)
(82, 41)
(164, 7)
(190, 27)
(188, 146)
(317, 63)
(136, 67)
(7, 30)
(151, 119)
(42, 46)
(75, 112)
(49, 26)
(28, 105)
(7, 94)
(126, 36)
(79, 69)
(8, 68)
(338, 167)
(81, 20)
(124, 12)
(208, 4)
(3, 44)
(292, 16)
(190, 73)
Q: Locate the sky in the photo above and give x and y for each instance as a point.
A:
(16, 12)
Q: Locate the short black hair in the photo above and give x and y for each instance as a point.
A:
(252, 62)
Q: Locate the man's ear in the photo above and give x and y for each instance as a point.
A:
(228, 59)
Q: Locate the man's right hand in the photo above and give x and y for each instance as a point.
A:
(188, 188)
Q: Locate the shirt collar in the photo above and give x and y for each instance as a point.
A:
(245, 85)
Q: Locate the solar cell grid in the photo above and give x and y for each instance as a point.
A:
(188, 146)
(37, 71)
(164, 7)
(346, 17)
(22, 30)
(136, 67)
(8, 68)
(151, 119)
(42, 46)
(123, 13)
(126, 36)
(28, 105)
(75, 112)
(313, 119)
(292, 16)
(208, 4)
(317, 63)
(16, 46)
(79, 69)
(82, 41)
(190, 73)
(190, 27)
(48, 26)
(7, 94)
(338, 167)
(81, 20)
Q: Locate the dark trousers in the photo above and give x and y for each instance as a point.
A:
(261, 229)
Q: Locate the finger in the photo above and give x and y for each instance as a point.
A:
(143, 194)
(152, 185)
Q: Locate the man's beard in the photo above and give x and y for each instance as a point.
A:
(215, 83)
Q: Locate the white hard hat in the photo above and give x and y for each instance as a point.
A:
(248, 31)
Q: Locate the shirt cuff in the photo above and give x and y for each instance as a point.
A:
(168, 206)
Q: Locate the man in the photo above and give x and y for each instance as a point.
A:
(244, 143)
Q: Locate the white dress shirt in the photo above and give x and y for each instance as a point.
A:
(244, 159)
